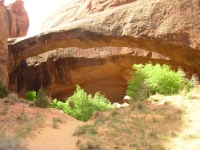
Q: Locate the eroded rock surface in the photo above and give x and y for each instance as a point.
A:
(74, 10)
(3, 46)
(13, 23)
(167, 27)
(16, 18)
(104, 69)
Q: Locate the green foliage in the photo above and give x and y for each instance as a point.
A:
(81, 105)
(30, 95)
(148, 79)
(3, 90)
(41, 99)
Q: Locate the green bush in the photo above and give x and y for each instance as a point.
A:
(30, 95)
(148, 79)
(81, 105)
(41, 99)
(3, 90)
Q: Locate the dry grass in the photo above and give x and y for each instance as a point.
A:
(57, 120)
(11, 143)
(16, 125)
(139, 126)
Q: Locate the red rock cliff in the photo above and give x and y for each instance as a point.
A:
(16, 19)
(13, 23)
(3, 46)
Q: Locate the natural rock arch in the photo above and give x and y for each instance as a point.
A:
(82, 38)
(168, 27)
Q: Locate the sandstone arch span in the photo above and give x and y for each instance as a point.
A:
(168, 27)
(82, 38)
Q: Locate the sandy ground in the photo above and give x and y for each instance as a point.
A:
(49, 138)
(63, 139)
(46, 137)
(189, 137)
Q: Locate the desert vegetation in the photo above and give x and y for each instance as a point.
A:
(30, 95)
(153, 120)
(3, 90)
(81, 105)
(16, 124)
(136, 127)
(148, 80)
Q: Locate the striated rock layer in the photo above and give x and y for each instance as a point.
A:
(167, 27)
(104, 69)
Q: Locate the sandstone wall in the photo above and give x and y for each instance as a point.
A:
(3, 46)
(13, 23)
(16, 18)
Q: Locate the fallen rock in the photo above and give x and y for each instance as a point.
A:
(125, 105)
(127, 99)
(117, 105)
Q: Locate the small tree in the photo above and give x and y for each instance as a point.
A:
(30, 95)
(3, 90)
(81, 105)
(41, 99)
(148, 79)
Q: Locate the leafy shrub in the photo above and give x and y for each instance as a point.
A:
(3, 90)
(30, 95)
(81, 106)
(148, 79)
(41, 99)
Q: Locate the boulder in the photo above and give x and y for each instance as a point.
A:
(117, 105)
(127, 99)
(125, 105)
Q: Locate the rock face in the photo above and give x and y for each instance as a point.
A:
(3, 46)
(13, 23)
(16, 19)
(104, 69)
(166, 27)
(74, 10)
